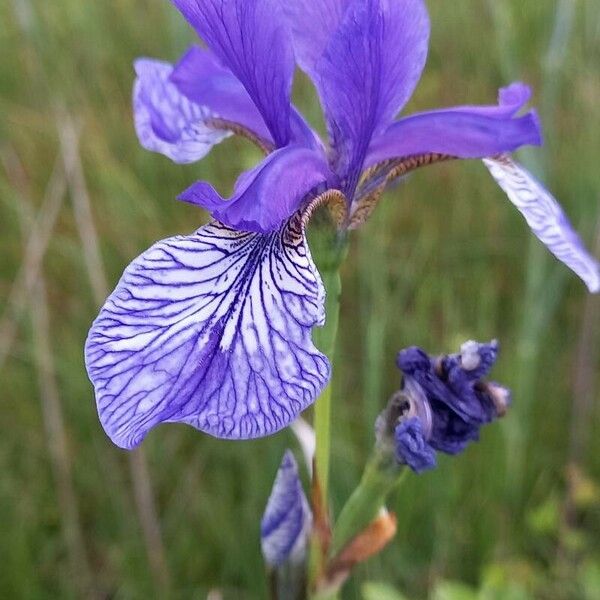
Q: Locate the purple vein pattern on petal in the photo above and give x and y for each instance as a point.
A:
(251, 38)
(367, 74)
(287, 520)
(201, 78)
(464, 132)
(168, 122)
(546, 218)
(268, 194)
(312, 23)
(213, 330)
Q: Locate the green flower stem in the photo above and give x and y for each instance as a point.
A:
(325, 340)
(381, 476)
(328, 595)
(288, 581)
(329, 252)
(322, 423)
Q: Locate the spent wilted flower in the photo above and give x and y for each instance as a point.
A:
(213, 329)
(443, 403)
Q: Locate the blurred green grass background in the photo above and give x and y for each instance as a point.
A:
(444, 258)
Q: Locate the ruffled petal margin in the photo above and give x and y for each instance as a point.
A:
(546, 218)
(212, 330)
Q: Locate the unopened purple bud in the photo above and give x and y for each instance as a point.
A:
(287, 520)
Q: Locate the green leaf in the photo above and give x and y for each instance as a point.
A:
(452, 590)
(381, 591)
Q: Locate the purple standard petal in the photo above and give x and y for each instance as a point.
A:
(287, 521)
(312, 23)
(168, 122)
(268, 194)
(213, 330)
(546, 218)
(368, 72)
(204, 80)
(462, 132)
(251, 38)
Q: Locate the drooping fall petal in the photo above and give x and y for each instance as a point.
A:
(546, 218)
(212, 330)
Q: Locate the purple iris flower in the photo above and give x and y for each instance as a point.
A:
(443, 403)
(287, 521)
(213, 329)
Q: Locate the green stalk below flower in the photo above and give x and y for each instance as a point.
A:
(381, 476)
(329, 251)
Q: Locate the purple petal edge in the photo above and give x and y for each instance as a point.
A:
(546, 218)
(312, 23)
(463, 131)
(268, 194)
(165, 120)
(252, 40)
(200, 77)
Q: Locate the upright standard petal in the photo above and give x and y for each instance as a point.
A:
(287, 521)
(204, 80)
(546, 218)
(251, 38)
(462, 132)
(167, 121)
(312, 23)
(269, 194)
(368, 72)
(212, 330)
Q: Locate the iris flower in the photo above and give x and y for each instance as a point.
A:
(213, 329)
